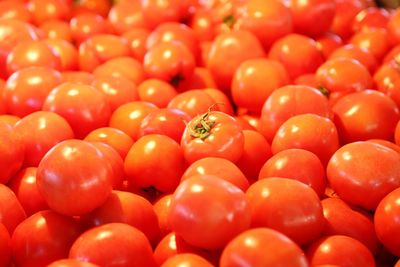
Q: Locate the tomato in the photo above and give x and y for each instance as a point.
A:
(155, 161)
(74, 177)
(14, 31)
(67, 52)
(170, 122)
(341, 219)
(113, 137)
(223, 101)
(11, 152)
(24, 186)
(305, 14)
(356, 177)
(57, 29)
(346, 11)
(86, 25)
(297, 164)
(137, 42)
(340, 250)
(100, 7)
(43, 10)
(267, 21)
(161, 208)
(39, 132)
(386, 143)
(129, 116)
(9, 119)
(203, 23)
(117, 90)
(100, 48)
(299, 54)
(393, 28)
(289, 101)
(125, 16)
(129, 208)
(84, 107)
(365, 115)
(387, 80)
(11, 211)
(169, 61)
(156, 91)
(254, 81)
(71, 263)
(10, 9)
(371, 17)
(5, 246)
(310, 132)
(227, 213)
(188, 259)
(238, 46)
(373, 40)
(156, 12)
(213, 134)
(220, 167)
(43, 238)
(262, 247)
(328, 42)
(121, 245)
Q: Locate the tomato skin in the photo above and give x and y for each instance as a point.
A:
(17, 10)
(161, 207)
(122, 245)
(222, 99)
(137, 42)
(227, 212)
(43, 238)
(43, 10)
(226, 139)
(328, 42)
(346, 10)
(386, 143)
(125, 16)
(262, 247)
(71, 263)
(155, 161)
(156, 12)
(67, 52)
(353, 173)
(74, 177)
(84, 107)
(56, 29)
(191, 259)
(387, 223)
(85, 25)
(371, 17)
(11, 211)
(397, 134)
(365, 115)
(340, 250)
(156, 91)
(5, 246)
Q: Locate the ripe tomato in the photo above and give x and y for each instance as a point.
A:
(213, 134)
(74, 177)
(86, 25)
(188, 259)
(14, 31)
(5, 246)
(11, 152)
(328, 42)
(10, 9)
(57, 29)
(100, 7)
(156, 12)
(297, 164)
(137, 42)
(11, 211)
(310, 132)
(84, 107)
(365, 115)
(346, 10)
(23, 184)
(393, 28)
(373, 40)
(156, 91)
(67, 52)
(122, 245)
(43, 238)
(155, 161)
(9, 119)
(386, 143)
(371, 17)
(125, 16)
(387, 80)
(227, 212)
(43, 10)
(340, 250)
(71, 263)
(161, 208)
(254, 81)
(262, 247)
(364, 184)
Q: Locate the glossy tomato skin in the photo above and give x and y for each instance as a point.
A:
(43, 238)
(374, 40)
(137, 41)
(67, 52)
(43, 10)
(346, 10)
(191, 259)
(161, 207)
(84, 107)
(357, 178)
(85, 25)
(225, 138)
(11, 211)
(125, 16)
(5, 246)
(340, 250)
(371, 17)
(155, 160)
(156, 91)
(262, 246)
(341, 219)
(227, 212)
(56, 29)
(74, 177)
(71, 263)
(122, 245)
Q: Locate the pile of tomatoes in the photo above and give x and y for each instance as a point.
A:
(144, 133)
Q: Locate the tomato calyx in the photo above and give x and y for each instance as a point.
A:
(324, 90)
(229, 20)
(176, 80)
(202, 125)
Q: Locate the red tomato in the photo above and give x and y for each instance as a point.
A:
(310, 132)
(57, 29)
(43, 238)
(169, 121)
(14, 31)
(67, 52)
(357, 178)
(156, 91)
(43, 10)
(156, 12)
(297, 164)
(340, 250)
(373, 40)
(11, 211)
(121, 245)
(129, 208)
(187, 259)
(328, 42)
(346, 11)
(213, 134)
(161, 207)
(305, 14)
(262, 247)
(100, 7)
(365, 115)
(137, 41)
(27, 89)
(238, 46)
(113, 137)
(386, 143)
(125, 16)
(155, 161)
(9, 119)
(71, 263)
(39, 132)
(84, 107)
(393, 28)
(5, 246)
(11, 9)
(386, 221)
(371, 17)
(341, 219)
(387, 80)
(74, 177)
(223, 101)
(85, 25)
(219, 167)
(227, 213)
(129, 116)
(254, 81)
(11, 152)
